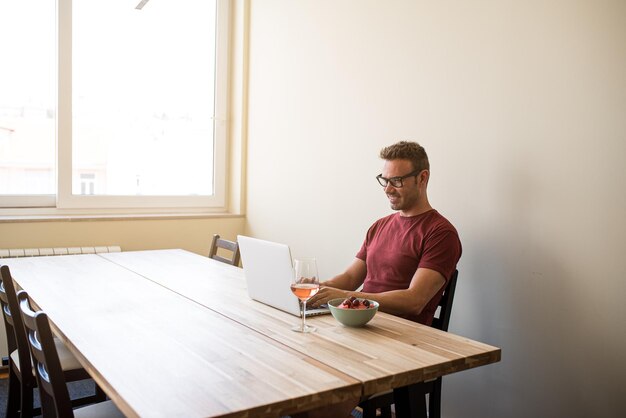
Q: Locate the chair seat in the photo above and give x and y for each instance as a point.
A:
(100, 410)
(67, 359)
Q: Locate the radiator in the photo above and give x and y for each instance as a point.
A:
(36, 252)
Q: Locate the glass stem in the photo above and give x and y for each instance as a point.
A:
(303, 315)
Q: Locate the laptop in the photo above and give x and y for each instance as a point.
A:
(268, 269)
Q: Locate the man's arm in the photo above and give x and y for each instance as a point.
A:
(336, 287)
(424, 285)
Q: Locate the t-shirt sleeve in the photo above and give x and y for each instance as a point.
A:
(362, 254)
(442, 250)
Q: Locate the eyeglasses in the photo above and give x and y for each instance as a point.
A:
(396, 181)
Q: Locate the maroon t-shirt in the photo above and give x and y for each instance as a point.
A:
(396, 246)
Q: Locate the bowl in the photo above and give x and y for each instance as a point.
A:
(352, 317)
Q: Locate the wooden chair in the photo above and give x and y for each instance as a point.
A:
(55, 398)
(232, 246)
(21, 384)
(414, 395)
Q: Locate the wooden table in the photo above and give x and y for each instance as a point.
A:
(171, 333)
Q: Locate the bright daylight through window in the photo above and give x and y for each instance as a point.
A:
(113, 104)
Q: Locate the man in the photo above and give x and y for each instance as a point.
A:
(407, 257)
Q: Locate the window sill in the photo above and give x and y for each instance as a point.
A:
(37, 215)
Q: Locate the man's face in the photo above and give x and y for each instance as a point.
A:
(406, 197)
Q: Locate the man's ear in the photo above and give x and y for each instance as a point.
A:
(423, 177)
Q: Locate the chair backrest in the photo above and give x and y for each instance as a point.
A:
(445, 304)
(232, 246)
(432, 387)
(6, 314)
(55, 398)
(16, 336)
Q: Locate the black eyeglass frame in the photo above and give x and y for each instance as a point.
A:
(396, 182)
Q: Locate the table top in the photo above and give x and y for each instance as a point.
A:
(172, 333)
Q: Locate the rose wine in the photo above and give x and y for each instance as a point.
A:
(304, 291)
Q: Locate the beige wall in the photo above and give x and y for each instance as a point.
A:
(190, 234)
(521, 106)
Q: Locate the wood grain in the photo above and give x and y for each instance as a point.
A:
(389, 352)
(159, 354)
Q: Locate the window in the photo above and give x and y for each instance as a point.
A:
(27, 101)
(122, 106)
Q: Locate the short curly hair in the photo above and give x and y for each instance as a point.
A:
(406, 150)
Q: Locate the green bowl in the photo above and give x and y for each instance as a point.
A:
(352, 317)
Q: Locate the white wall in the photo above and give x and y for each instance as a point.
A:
(522, 108)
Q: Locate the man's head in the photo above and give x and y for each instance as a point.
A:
(405, 150)
(405, 176)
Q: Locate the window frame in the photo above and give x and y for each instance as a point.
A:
(65, 201)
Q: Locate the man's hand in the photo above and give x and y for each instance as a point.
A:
(325, 294)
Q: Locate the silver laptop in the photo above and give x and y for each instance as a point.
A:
(268, 269)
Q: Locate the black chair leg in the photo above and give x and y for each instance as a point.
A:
(26, 402)
(13, 397)
(47, 406)
(410, 401)
(385, 412)
(434, 400)
(369, 413)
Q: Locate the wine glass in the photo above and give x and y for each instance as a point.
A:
(304, 285)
